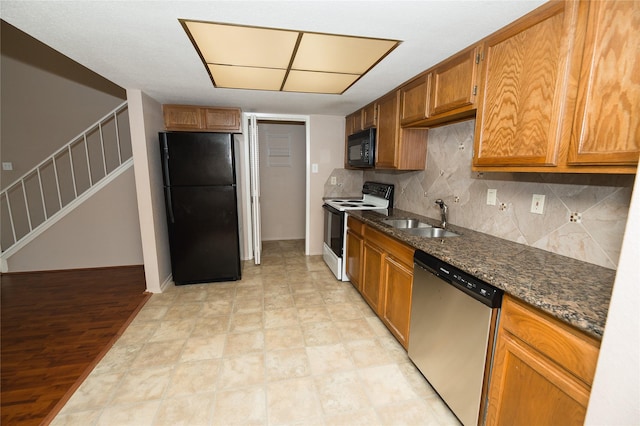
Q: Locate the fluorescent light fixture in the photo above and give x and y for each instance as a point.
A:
(244, 57)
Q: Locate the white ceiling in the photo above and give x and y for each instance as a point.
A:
(141, 45)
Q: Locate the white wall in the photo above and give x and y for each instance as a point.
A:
(47, 99)
(145, 116)
(615, 395)
(327, 151)
(102, 231)
(282, 182)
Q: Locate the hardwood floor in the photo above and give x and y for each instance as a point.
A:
(55, 327)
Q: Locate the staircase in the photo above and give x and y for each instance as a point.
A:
(61, 182)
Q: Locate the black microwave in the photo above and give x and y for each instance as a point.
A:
(361, 150)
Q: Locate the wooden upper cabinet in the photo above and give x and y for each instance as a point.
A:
(606, 126)
(353, 123)
(370, 116)
(524, 88)
(414, 100)
(387, 145)
(454, 84)
(398, 148)
(221, 119)
(443, 94)
(182, 117)
(560, 91)
(202, 119)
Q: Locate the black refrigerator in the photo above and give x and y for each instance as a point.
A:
(201, 204)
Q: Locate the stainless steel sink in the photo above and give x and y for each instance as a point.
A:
(431, 232)
(406, 223)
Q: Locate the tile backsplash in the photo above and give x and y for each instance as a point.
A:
(599, 204)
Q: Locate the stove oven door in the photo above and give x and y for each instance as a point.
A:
(333, 239)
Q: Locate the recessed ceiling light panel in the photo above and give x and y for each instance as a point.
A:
(232, 77)
(258, 58)
(318, 82)
(243, 46)
(329, 53)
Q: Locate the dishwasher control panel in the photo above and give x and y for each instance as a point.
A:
(478, 289)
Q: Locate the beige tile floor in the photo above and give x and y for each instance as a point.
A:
(286, 345)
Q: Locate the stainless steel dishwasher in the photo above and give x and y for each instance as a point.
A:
(453, 318)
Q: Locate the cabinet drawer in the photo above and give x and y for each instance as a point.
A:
(393, 247)
(571, 349)
(355, 225)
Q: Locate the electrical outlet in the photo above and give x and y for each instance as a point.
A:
(537, 204)
(575, 217)
(491, 197)
(333, 180)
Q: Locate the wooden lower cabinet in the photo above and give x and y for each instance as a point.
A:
(355, 246)
(396, 307)
(371, 288)
(381, 268)
(542, 369)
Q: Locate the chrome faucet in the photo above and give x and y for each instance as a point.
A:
(443, 212)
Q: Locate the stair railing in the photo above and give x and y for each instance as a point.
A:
(53, 186)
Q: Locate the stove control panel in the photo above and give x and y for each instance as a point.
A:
(381, 190)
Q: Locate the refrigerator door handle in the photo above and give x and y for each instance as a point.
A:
(165, 162)
(167, 190)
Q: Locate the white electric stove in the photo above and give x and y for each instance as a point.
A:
(376, 196)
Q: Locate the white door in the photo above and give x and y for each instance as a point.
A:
(254, 159)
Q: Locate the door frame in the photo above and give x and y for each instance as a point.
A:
(245, 180)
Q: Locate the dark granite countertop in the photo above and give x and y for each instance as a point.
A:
(573, 291)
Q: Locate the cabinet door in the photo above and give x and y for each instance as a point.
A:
(396, 309)
(523, 89)
(182, 117)
(387, 132)
(414, 100)
(353, 123)
(542, 369)
(372, 275)
(369, 116)
(527, 388)
(221, 119)
(354, 256)
(454, 83)
(606, 128)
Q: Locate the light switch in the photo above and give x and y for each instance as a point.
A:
(7, 166)
(491, 197)
(314, 168)
(537, 204)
